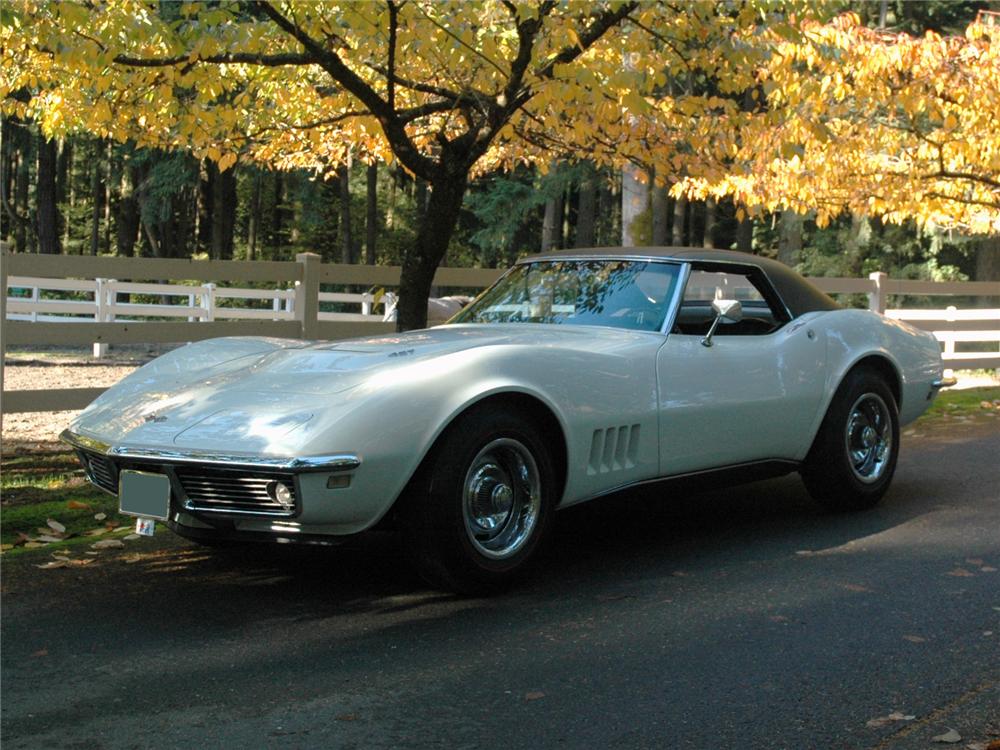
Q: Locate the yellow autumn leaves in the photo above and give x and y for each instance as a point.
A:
(762, 102)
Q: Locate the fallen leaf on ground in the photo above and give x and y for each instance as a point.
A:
(33, 545)
(113, 524)
(5, 547)
(80, 563)
(881, 721)
(77, 505)
(41, 652)
(914, 639)
(988, 569)
(778, 618)
(88, 552)
(96, 532)
(960, 573)
(100, 516)
(950, 737)
(48, 538)
(108, 544)
(52, 564)
(805, 552)
(131, 537)
(534, 695)
(55, 525)
(855, 587)
(974, 561)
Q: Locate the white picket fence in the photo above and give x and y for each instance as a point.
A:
(42, 300)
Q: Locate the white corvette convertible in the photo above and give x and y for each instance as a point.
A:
(577, 374)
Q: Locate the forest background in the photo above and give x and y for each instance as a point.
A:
(88, 195)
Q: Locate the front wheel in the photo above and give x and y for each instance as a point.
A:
(480, 504)
(853, 458)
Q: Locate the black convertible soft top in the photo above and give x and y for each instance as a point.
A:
(799, 295)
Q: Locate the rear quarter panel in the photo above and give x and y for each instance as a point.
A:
(853, 335)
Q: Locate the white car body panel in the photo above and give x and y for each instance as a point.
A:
(631, 406)
(745, 398)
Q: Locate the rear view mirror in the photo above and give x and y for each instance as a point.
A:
(726, 311)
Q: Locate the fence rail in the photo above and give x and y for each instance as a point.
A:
(291, 306)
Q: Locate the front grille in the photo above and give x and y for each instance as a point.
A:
(101, 471)
(234, 491)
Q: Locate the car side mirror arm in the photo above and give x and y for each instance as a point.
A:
(726, 311)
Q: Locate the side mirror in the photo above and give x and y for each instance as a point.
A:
(726, 311)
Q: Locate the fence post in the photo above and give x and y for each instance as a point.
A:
(3, 314)
(208, 302)
(101, 314)
(307, 295)
(878, 297)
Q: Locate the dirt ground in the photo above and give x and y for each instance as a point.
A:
(61, 368)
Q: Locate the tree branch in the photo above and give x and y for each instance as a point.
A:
(592, 34)
(391, 73)
(248, 58)
(394, 128)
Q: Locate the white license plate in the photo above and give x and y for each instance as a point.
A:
(141, 493)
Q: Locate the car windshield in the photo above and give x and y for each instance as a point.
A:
(617, 293)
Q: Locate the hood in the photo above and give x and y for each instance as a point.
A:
(253, 394)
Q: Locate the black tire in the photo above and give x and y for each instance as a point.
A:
(853, 457)
(470, 541)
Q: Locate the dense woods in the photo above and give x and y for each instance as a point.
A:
(757, 130)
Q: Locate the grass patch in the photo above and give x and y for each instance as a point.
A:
(38, 486)
(962, 403)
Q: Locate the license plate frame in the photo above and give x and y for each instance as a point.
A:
(144, 494)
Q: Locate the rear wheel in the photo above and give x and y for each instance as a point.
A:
(853, 458)
(480, 505)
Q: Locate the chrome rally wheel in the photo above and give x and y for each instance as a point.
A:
(502, 498)
(868, 437)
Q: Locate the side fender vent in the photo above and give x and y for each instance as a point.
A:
(613, 449)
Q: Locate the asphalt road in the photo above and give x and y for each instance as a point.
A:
(738, 619)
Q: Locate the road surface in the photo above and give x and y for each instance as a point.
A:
(745, 618)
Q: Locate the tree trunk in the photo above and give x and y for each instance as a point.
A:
(206, 207)
(552, 223)
(45, 198)
(346, 240)
(709, 239)
(422, 258)
(661, 216)
(371, 214)
(744, 235)
(223, 213)
(635, 202)
(253, 223)
(96, 194)
(277, 211)
(586, 204)
(790, 238)
(64, 166)
(677, 232)
(988, 267)
(857, 239)
(108, 182)
(127, 214)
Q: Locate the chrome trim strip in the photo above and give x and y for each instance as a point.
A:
(82, 441)
(790, 464)
(195, 508)
(331, 463)
(675, 301)
(943, 383)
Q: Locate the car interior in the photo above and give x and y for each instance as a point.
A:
(695, 316)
